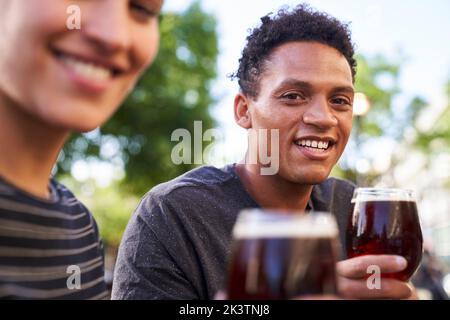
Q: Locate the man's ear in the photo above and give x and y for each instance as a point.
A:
(242, 112)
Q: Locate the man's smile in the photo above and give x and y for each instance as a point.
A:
(315, 147)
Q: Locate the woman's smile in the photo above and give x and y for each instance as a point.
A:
(89, 73)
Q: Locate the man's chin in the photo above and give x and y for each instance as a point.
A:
(308, 177)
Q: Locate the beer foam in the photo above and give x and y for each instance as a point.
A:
(286, 229)
(382, 197)
(382, 194)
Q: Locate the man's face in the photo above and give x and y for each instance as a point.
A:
(74, 79)
(305, 91)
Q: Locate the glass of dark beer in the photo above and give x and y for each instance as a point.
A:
(385, 221)
(278, 255)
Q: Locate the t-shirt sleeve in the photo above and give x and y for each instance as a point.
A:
(150, 260)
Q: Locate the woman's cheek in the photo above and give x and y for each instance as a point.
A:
(145, 51)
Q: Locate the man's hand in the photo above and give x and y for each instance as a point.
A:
(353, 273)
(221, 295)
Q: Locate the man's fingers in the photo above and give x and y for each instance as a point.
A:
(220, 295)
(356, 268)
(389, 289)
(414, 295)
(318, 297)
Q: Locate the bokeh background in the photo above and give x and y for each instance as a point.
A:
(401, 135)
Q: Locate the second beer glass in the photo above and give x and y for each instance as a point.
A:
(385, 221)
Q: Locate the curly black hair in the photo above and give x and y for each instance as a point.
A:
(300, 24)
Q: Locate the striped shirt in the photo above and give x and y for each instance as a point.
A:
(49, 249)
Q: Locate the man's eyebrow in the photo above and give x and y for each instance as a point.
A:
(346, 89)
(295, 83)
(308, 86)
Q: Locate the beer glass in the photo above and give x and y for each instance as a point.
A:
(277, 255)
(385, 221)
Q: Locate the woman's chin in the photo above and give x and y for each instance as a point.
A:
(85, 127)
(75, 125)
(81, 120)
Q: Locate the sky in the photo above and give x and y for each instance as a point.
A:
(416, 32)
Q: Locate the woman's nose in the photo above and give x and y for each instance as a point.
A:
(108, 25)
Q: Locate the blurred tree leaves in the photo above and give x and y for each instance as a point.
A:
(389, 119)
(438, 138)
(378, 78)
(172, 94)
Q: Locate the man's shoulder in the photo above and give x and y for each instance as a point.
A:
(336, 184)
(198, 177)
(333, 192)
(192, 183)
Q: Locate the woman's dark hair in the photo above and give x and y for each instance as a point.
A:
(300, 24)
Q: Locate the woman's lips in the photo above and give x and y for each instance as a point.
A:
(87, 75)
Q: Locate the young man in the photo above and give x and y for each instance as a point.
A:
(55, 80)
(296, 75)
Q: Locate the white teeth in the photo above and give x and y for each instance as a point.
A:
(313, 144)
(88, 70)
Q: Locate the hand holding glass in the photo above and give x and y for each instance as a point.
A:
(385, 221)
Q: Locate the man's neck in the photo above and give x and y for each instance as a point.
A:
(28, 149)
(272, 191)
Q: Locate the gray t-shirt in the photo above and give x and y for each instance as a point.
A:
(177, 243)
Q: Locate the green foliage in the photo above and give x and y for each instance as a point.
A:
(378, 79)
(438, 138)
(370, 71)
(172, 94)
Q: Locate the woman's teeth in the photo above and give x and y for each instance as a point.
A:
(312, 144)
(86, 69)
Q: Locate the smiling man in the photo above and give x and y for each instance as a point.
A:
(306, 92)
(296, 77)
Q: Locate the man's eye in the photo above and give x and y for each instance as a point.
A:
(341, 101)
(293, 96)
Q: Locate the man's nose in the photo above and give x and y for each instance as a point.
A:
(319, 114)
(108, 25)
